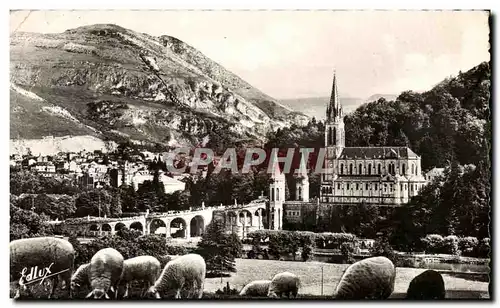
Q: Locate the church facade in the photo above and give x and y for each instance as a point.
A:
(387, 175)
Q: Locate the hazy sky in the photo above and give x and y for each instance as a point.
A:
(289, 54)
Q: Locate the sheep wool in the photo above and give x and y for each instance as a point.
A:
(106, 268)
(42, 252)
(143, 268)
(256, 288)
(185, 272)
(427, 285)
(284, 284)
(371, 278)
(80, 277)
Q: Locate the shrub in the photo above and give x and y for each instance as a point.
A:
(347, 249)
(484, 248)
(468, 245)
(450, 245)
(381, 247)
(227, 290)
(333, 240)
(176, 250)
(433, 243)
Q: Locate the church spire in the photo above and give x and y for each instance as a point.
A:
(334, 108)
(276, 173)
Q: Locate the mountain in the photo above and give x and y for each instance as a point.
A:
(376, 97)
(108, 83)
(316, 106)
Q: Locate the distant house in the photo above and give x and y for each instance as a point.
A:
(433, 173)
(44, 168)
(62, 166)
(170, 184)
(73, 166)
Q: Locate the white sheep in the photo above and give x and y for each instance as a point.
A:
(371, 278)
(143, 268)
(48, 254)
(256, 288)
(185, 272)
(285, 283)
(106, 268)
(80, 277)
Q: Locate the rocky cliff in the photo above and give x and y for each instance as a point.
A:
(112, 83)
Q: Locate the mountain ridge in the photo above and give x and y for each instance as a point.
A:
(316, 106)
(99, 75)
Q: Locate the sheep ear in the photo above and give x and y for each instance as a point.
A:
(90, 294)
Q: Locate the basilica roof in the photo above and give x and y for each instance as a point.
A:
(377, 153)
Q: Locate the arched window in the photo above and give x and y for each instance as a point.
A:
(412, 169)
(379, 169)
(272, 194)
(300, 193)
(369, 169)
(341, 168)
(277, 194)
(330, 135)
(350, 168)
(334, 136)
(404, 169)
(360, 170)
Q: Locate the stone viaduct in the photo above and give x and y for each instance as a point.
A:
(240, 219)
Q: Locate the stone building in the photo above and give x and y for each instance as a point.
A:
(388, 175)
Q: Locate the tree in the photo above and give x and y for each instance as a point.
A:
(219, 249)
(382, 248)
(25, 223)
(128, 197)
(96, 202)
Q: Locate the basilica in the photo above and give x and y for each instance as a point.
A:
(381, 176)
(387, 175)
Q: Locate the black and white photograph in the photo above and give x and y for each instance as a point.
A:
(250, 154)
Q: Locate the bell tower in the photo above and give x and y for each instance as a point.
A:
(276, 195)
(302, 182)
(334, 141)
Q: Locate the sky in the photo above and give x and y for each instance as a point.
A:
(293, 54)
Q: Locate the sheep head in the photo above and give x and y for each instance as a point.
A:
(98, 294)
(153, 293)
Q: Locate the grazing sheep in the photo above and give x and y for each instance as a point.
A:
(185, 272)
(256, 288)
(143, 268)
(427, 285)
(49, 255)
(106, 268)
(80, 277)
(284, 284)
(371, 278)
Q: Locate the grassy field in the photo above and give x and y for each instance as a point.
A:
(310, 275)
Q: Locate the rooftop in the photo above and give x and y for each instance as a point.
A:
(377, 153)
